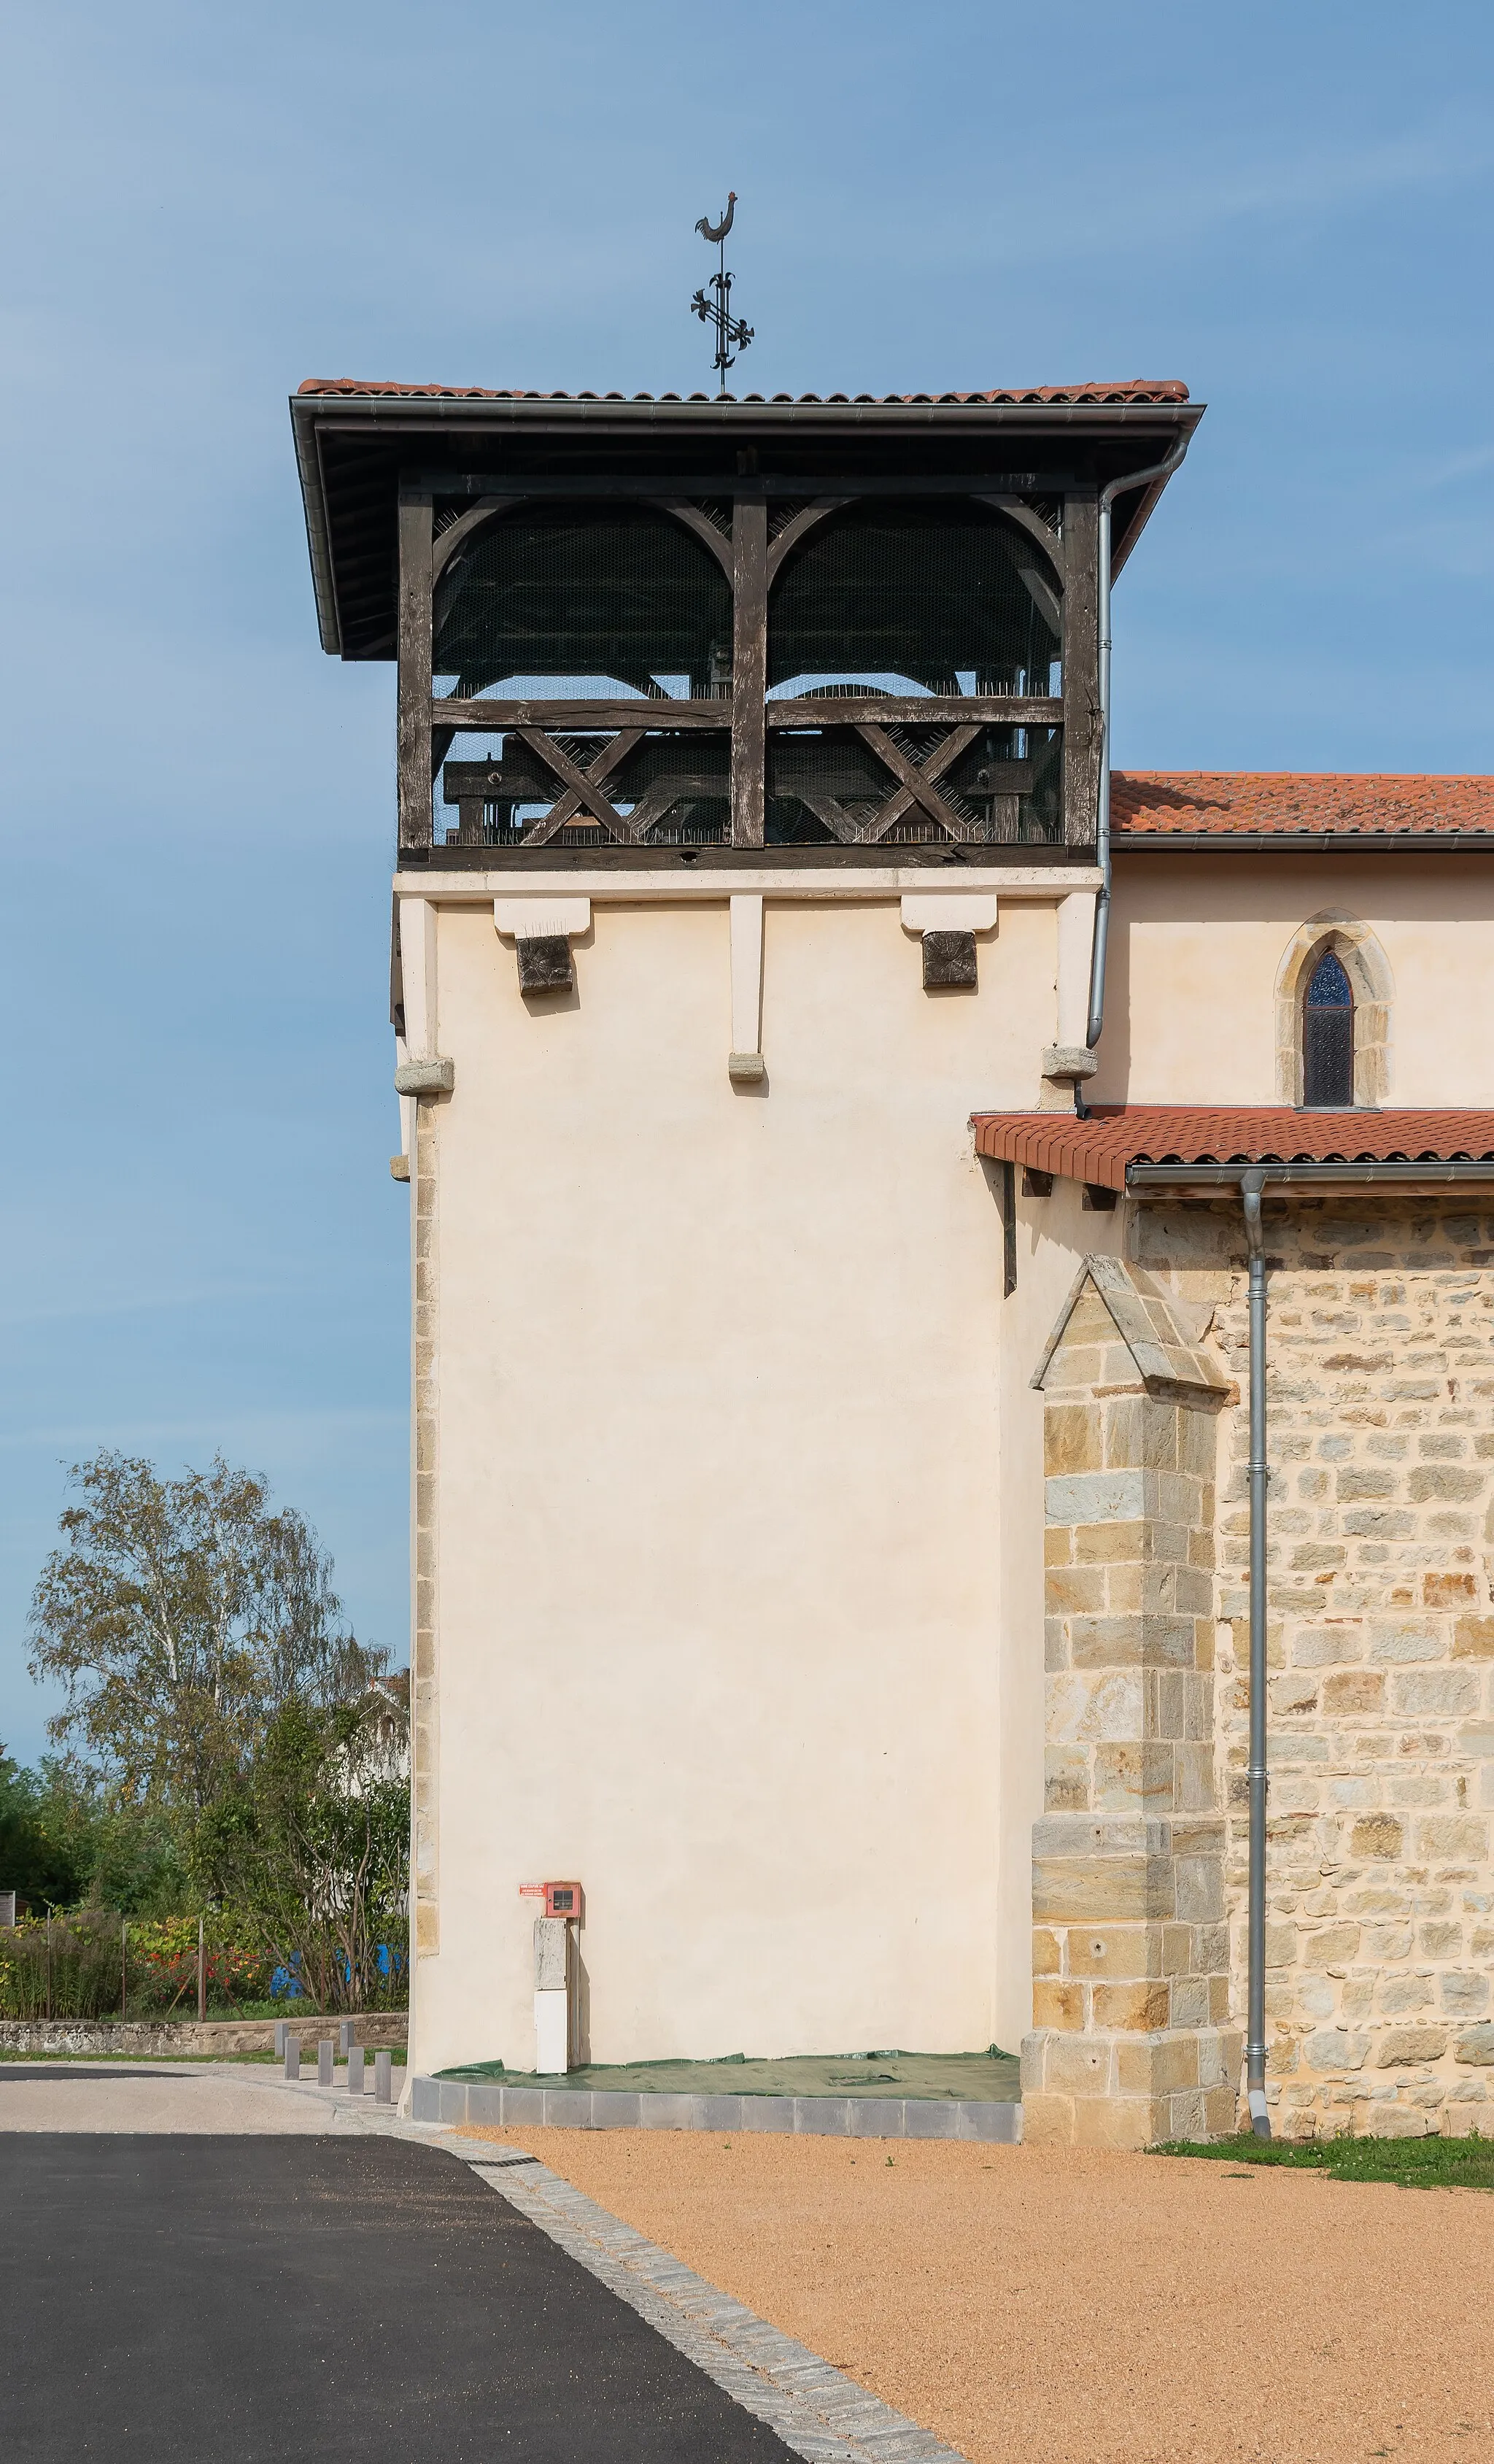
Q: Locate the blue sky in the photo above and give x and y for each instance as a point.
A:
(1287, 205)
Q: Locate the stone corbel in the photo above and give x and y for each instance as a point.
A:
(542, 930)
(947, 922)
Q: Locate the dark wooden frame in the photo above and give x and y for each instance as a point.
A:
(751, 557)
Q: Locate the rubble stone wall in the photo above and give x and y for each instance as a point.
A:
(1380, 1947)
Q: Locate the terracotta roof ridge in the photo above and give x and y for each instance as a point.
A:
(1310, 778)
(1137, 390)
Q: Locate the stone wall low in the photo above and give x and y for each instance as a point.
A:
(198, 2037)
(1380, 1948)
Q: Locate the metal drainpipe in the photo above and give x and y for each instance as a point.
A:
(1251, 1185)
(1102, 906)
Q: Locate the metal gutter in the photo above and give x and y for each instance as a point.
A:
(1160, 473)
(546, 411)
(1373, 1171)
(1252, 1183)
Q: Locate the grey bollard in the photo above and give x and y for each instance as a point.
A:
(282, 2038)
(292, 2057)
(384, 2078)
(325, 2053)
(345, 2036)
(354, 2070)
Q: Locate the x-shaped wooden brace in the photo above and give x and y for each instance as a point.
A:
(582, 787)
(919, 785)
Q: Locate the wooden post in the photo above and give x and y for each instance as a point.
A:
(125, 1973)
(414, 686)
(749, 668)
(1081, 670)
(202, 1970)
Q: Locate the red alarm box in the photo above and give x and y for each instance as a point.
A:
(560, 1899)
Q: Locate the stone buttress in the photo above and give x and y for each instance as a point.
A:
(1130, 2040)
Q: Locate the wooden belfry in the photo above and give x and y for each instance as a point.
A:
(631, 629)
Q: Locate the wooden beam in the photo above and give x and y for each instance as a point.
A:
(922, 791)
(570, 803)
(662, 484)
(1081, 708)
(749, 670)
(1033, 525)
(704, 528)
(663, 715)
(588, 797)
(456, 533)
(793, 530)
(979, 710)
(415, 711)
(958, 741)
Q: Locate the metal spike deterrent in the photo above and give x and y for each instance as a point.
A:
(731, 336)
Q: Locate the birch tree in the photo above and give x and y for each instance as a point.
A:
(181, 1616)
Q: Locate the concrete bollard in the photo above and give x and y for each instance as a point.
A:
(293, 2056)
(282, 2038)
(384, 2078)
(345, 2037)
(326, 2052)
(354, 2070)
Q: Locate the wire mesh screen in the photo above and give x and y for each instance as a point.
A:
(586, 592)
(932, 593)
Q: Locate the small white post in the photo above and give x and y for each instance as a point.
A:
(552, 1994)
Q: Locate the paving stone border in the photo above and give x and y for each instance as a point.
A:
(818, 2413)
(820, 2117)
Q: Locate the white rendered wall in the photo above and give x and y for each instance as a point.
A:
(1197, 941)
(720, 1628)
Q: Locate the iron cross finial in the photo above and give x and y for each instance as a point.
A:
(731, 336)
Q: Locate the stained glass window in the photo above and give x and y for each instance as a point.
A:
(1328, 1037)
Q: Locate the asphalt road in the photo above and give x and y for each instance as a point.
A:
(238, 2299)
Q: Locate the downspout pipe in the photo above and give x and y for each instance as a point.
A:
(1252, 1183)
(1122, 487)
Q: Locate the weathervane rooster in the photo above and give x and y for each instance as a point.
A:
(731, 336)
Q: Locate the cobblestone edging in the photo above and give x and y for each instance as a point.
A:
(817, 2412)
(819, 2116)
(220, 2037)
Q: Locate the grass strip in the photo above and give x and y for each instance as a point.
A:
(1413, 2164)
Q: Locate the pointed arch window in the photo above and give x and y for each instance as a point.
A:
(1328, 1037)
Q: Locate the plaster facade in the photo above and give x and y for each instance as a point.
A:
(710, 1437)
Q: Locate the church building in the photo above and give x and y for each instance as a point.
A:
(933, 1263)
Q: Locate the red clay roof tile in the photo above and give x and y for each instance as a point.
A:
(1134, 389)
(1099, 1148)
(1274, 803)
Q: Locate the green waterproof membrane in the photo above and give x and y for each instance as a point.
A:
(991, 2078)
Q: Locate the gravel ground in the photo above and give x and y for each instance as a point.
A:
(195, 2097)
(1086, 2309)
